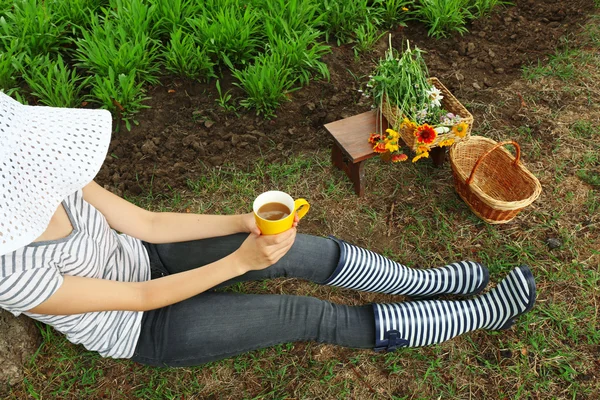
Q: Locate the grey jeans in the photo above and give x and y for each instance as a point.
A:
(215, 324)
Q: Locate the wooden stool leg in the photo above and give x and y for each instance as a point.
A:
(337, 157)
(438, 156)
(355, 172)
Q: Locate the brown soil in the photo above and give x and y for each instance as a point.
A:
(185, 131)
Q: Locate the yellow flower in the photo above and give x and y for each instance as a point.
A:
(392, 146)
(404, 8)
(408, 124)
(446, 142)
(460, 130)
(392, 134)
(419, 156)
(422, 149)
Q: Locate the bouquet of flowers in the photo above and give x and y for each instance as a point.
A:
(419, 109)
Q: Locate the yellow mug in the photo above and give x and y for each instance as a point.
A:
(273, 227)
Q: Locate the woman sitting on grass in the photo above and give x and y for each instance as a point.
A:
(147, 293)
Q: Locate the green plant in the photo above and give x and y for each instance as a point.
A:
(136, 17)
(53, 83)
(300, 52)
(119, 93)
(183, 56)
(10, 59)
(38, 29)
(286, 16)
(5, 6)
(444, 16)
(172, 15)
(230, 34)
(224, 99)
(266, 82)
(393, 13)
(484, 7)
(76, 13)
(342, 17)
(401, 79)
(366, 36)
(108, 45)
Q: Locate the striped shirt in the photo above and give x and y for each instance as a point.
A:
(30, 275)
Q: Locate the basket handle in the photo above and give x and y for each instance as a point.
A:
(484, 155)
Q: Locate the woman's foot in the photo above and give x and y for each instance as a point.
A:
(426, 322)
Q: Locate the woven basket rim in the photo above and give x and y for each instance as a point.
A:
(465, 114)
(451, 98)
(489, 200)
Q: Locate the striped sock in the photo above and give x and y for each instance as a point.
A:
(426, 322)
(365, 270)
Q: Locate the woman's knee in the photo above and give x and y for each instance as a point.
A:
(311, 257)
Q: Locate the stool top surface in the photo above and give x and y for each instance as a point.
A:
(352, 134)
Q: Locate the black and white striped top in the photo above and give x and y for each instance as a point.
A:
(30, 275)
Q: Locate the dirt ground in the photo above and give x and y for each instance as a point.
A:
(185, 131)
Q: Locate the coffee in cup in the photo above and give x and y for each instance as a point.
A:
(274, 211)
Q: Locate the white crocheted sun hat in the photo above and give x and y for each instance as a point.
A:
(46, 154)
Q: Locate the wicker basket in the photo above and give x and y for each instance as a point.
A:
(494, 184)
(395, 117)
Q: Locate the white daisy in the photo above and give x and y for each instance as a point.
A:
(435, 95)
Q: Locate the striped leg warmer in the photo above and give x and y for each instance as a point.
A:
(365, 270)
(426, 322)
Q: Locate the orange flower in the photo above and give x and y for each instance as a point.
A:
(374, 138)
(380, 147)
(425, 134)
(460, 130)
(399, 157)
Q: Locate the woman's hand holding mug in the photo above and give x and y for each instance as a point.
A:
(276, 215)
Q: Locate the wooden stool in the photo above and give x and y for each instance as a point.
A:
(351, 147)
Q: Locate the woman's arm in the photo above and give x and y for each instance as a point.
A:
(163, 227)
(80, 295)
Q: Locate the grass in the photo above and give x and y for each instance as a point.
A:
(549, 354)
(567, 63)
